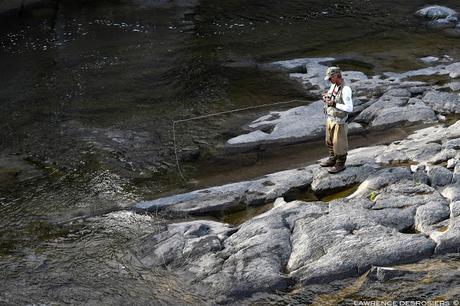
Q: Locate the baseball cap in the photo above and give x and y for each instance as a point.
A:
(331, 71)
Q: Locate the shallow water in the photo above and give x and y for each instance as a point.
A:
(89, 91)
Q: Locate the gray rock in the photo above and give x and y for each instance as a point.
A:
(324, 183)
(452, 144)
(448, 241)
(364, 155)
(278, 184)
(451, 192)
(430, 59)
(439, 176)
(443, 156)
(429, 214)
(455, 209)
(392, 98)
(451, 163)
(415, 201)
(380, 245)
(408, 151)
(454, 69)
(300, 63)
(395, 115)
(454, 86)
(320, 246)
(353, 76)
(442, 102)
(404, 194)
(227, 197)
(456, 174)
(398, 77)
(254, 258)
(420, 175)
(435, 12)
(181, 242)
(383, 274)
(288, 127)
(379, 180)
(236, 196)
(415, 101)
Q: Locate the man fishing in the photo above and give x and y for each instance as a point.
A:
(338, 104)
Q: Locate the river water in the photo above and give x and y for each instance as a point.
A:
(90, 89)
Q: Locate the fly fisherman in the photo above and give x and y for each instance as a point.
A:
(338, 104)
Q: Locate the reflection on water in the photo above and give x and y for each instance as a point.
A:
(89, 91)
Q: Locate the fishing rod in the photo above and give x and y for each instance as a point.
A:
(179, 170)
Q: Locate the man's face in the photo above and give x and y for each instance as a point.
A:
(333, 78)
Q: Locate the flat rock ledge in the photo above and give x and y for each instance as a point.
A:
(380, 102)
(405, 209)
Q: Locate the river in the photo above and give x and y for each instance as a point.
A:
(90, 89)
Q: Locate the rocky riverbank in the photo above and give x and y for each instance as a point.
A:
(405, 209)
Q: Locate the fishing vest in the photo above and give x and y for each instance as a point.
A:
(334, 113)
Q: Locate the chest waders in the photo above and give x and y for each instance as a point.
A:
(334, 113)
(336, 134)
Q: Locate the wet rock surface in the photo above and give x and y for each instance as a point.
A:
(399, 214)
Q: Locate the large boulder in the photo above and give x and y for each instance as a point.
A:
(435, 11)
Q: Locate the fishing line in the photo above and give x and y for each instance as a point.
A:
(179, 170)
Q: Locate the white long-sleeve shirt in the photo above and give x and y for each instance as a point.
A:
(346, 97)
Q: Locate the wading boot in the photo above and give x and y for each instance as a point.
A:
(330, 161)
(339, 165)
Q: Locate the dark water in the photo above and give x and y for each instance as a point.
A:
(89, 91)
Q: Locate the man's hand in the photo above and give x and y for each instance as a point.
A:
(328, 100)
